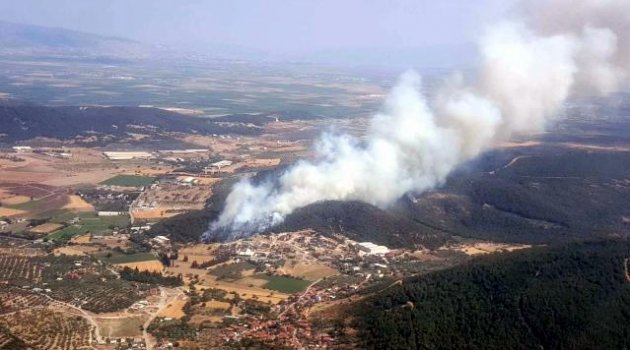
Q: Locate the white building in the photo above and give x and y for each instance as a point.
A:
(111, 213)
(188, 180)
(127, 155)
(373, 249)
(222, 163)
(246, 253)
(216, 166)
(161, 240)
(22, 149)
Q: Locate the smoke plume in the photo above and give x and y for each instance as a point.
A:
(529, 67)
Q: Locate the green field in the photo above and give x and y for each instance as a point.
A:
(90, 223)
(284, 284)
(128, 181)
(30, 205)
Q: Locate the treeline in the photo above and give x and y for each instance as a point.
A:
(136, 275)
(185, 228)
(568, 297)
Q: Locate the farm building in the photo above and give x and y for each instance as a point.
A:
(127, 155)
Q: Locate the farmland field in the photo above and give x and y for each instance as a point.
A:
(121, 327)
(128, 181)
(46, 329)
(147, 265)
(90, 223)
(129, 258)
(284, 284)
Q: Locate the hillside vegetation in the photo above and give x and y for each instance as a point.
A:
(26, 121)
(362, 222)
(532, 196)
(569, 297)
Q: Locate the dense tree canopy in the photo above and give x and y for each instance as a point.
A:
(570, 297)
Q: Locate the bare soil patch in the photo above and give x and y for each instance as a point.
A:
(77, 203)
(174, 310)
(46, 228)
(11, 212)
(151, 265)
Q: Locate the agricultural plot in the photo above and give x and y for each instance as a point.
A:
(119, 258)
(14, 200)
(80, 281)
(309, 270)
(121, 327)
(42, 206)
(78, 204)
(10, 342)
(90, 223)
(45, 329)
(148, 265)
(45, 228)
(174, 310)
(284, 284)
(9, 212)
(97, 296)
(128, 181)
(15, 299)
(20, 270)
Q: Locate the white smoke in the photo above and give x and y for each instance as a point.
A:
(529, 68)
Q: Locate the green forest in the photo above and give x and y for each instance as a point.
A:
(575, 296)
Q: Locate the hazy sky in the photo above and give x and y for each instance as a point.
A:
(289, 26)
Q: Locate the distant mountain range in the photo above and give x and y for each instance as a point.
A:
(25, 40)
(18, 39)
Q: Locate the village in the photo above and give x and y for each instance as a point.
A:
(92, 214)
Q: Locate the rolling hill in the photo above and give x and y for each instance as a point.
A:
(363, 222)
(23, 121)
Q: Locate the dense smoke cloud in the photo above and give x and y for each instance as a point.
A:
(529, 67)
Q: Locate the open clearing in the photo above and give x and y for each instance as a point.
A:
(155, 213)
(199, 319)
(150, 265)
(174, 310)
(10, 212)
(119, 327)
(90, 223)
(215, 304)
(284, 284)
(128, 181)
(252, 281)
(246, 292)
(75, 250)
(78, 204)
(307, 270)
(120, 258)
(46, 228)
(487, 248)
(14, 200)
